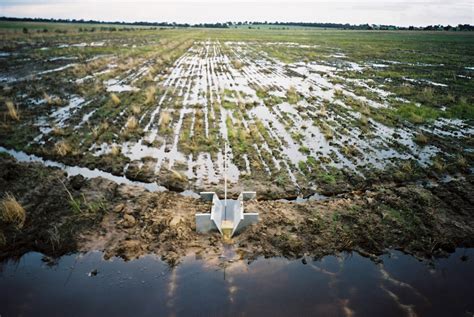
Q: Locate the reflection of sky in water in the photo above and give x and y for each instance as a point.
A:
(330, 286)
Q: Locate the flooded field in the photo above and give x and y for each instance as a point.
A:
(159, 108)
(348, 284)
(357, 144)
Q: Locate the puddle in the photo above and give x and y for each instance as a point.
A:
(85, 172)
(54, 70)
(114, 85)
(426, 81)
(333, 286)
(61, 115)
(379, 65)
(62, 58)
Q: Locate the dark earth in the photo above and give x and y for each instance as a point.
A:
(73, 214)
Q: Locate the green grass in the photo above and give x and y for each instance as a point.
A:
(462, 110)
(417, 114)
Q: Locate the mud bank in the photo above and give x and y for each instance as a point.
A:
(65, 215)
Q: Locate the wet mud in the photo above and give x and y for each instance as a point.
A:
(70, 214)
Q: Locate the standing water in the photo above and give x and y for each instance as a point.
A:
(345, 285)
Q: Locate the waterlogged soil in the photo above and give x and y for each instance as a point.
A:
(303, 117)
(70, 214)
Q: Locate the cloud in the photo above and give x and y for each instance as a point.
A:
(400, 12)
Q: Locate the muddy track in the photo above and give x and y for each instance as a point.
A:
(129, 221)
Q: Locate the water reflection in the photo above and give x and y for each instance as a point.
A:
(343, 285)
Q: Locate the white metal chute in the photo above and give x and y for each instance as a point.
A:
(227, 216)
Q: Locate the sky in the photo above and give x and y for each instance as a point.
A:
(396, 12)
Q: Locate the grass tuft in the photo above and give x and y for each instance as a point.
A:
(292, 95)
(12, 211)
(115, 150)
(62, 148)
(417, 114)
(150, 95)
(177, 175)
(165, 119)
(462, 110)
(136, 109)
(132, 123)
(13, 111)
(115, 99)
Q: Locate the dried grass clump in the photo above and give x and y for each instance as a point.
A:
(115, 99)
(132, 123)
(12, 211)
(165, 119)
(178, 176)
(115, 150)
(323, 111)
(100, 129)
(150, 95)
(52, 101)
(237, 64)
(62, 148)
(136, 109)
(13, 111)
(57, 131)
(326, 130)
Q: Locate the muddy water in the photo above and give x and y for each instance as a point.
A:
(333, 286)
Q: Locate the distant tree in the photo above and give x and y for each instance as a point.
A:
(283, 25)
(466, 27)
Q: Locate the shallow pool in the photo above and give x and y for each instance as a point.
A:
(345, 285)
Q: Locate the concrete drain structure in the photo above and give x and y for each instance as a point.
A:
(227, 216)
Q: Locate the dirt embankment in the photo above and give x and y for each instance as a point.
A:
(74, 214)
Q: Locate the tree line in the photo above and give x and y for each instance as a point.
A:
(253, 24)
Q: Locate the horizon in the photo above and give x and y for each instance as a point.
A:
(311, 24)
(392, 12)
